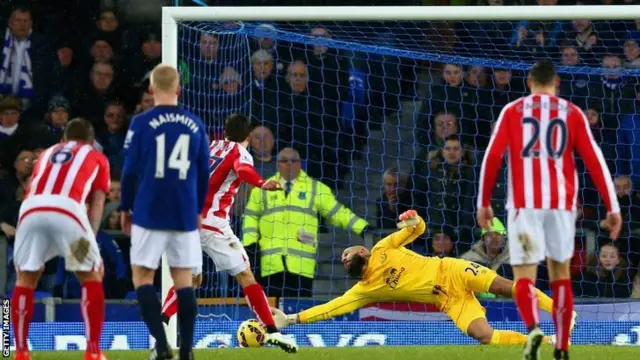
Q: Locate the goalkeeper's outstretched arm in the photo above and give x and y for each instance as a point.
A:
(350, 301)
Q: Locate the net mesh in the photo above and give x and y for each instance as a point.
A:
(369, 106)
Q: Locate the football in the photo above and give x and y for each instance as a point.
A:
(251, 334)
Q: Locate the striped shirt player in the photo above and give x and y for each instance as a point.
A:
(230, 164)
(540, 133)
(63, 177)
(55, 220)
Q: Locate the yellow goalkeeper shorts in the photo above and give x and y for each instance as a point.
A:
(463, 279)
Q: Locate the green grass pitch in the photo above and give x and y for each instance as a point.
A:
(586, 352)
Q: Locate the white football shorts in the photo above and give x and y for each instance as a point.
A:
(182, 248)
(51, 226)
(224, 248)
(536, 234)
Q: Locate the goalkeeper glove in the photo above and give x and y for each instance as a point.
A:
(408, 218)
(283, 320)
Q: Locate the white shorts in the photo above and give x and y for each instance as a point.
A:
(225, 249)
(52, 226)
(536, 234)
(182, 247)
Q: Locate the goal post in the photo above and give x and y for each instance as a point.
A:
(172, 17)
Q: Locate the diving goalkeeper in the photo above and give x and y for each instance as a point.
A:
(390, 272)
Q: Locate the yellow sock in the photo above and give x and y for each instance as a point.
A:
(544, 302)
(507, 337)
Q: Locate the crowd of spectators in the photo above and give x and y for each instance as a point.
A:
(323, 102)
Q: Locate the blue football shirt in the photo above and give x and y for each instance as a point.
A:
(166, 169)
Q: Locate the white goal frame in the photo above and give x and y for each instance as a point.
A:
(172, 15)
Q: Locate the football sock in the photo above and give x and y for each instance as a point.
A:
(562, 312)
(258, 303)
(506, 337)
(21, 315)
(560, 355)
(527, 301)
(92, 308)
(170, 306)
(544, 301)
(187, 311)
(150, 311)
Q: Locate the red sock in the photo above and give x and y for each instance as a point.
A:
(21, 315)
(170, 306)
(562, 311)
(527, 301)
(92, 308)
(258, 303)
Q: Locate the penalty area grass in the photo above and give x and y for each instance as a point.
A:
(465, 352)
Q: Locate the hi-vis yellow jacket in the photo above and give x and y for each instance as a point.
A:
(286, 227)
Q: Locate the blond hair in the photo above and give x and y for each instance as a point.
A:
(165, 78)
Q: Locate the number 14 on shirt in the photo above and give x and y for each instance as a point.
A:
(178, 159)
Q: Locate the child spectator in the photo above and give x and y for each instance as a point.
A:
(605, 276)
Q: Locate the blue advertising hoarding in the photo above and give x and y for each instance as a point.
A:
(214, 334)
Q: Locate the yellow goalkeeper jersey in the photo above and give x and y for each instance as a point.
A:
(392, 274)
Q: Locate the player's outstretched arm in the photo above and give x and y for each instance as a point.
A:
(243, 166)
(350, 301)
(411, 227)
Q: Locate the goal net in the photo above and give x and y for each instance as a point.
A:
(392, 115)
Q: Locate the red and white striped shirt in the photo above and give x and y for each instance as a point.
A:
(541, 133)
(226, 158)
(70, 169)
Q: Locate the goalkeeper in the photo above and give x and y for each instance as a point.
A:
(391, 272)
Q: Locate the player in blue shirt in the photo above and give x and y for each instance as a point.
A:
(163, 184)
